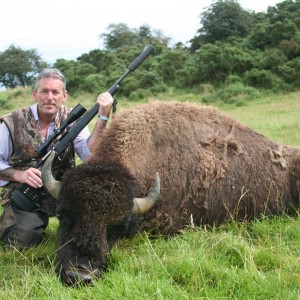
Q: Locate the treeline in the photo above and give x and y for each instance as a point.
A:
(234, 51)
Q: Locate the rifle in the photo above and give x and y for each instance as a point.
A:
(26, 197)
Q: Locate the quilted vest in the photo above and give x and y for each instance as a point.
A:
(26, 137)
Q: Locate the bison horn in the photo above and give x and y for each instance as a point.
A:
(142, 205)
(51, 185)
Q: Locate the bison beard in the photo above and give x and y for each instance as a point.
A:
(212, 170)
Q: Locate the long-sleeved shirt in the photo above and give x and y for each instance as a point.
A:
(6, 146)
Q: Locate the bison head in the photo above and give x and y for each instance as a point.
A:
(96, 207)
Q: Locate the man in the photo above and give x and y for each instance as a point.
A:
(21, 133)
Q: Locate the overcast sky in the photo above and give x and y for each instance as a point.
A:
(69, 28)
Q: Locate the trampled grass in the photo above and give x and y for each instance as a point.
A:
(255, 260)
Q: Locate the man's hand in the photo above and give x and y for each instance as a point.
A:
(31, 176)
(105, 101)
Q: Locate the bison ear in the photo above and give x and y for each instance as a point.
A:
(51, 185)
(142, 205)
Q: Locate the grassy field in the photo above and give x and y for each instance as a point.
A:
(257, 260)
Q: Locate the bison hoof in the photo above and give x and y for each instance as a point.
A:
(77, 276)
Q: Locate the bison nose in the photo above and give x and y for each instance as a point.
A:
(80, 274)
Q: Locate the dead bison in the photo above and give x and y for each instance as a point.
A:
(211, 168)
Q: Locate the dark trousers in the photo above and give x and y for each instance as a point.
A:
(22, 229)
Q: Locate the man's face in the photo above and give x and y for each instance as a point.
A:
(49, 96)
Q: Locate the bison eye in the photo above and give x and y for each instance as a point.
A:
(59, 214)
(64, 218)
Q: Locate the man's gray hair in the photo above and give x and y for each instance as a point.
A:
(50, 73)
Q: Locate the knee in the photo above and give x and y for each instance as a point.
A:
(22, 229)
(23, 237)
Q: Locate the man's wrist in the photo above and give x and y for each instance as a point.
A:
(8, 174)
(103, 118)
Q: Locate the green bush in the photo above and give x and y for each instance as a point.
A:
(232, 94)
(205, 88)
(129, 85)
(210, 98)
(237, 92)
(139, 94)
(232, 79)
(261, 79)
(5, 104)
(290, 71)
(94, 83)
(159, 88)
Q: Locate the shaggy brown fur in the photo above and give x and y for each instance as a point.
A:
(212, 169)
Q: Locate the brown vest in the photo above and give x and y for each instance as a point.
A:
(26, 138)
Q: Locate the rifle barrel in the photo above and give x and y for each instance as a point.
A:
(71, 134)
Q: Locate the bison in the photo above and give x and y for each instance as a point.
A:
(210, 168)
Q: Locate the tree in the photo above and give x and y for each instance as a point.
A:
(147, 36)
(285, 11)
(118, 36)
(171, 62)
(222, 20)
(213, 65)
(290, 71)
(75, 72)
(260, 36)
(282, 31)
(277, 28)
(18, 67)
(121, 36)
(101, 59)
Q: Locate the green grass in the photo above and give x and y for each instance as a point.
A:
(259, 260)
(277, 117)
(256, 260)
